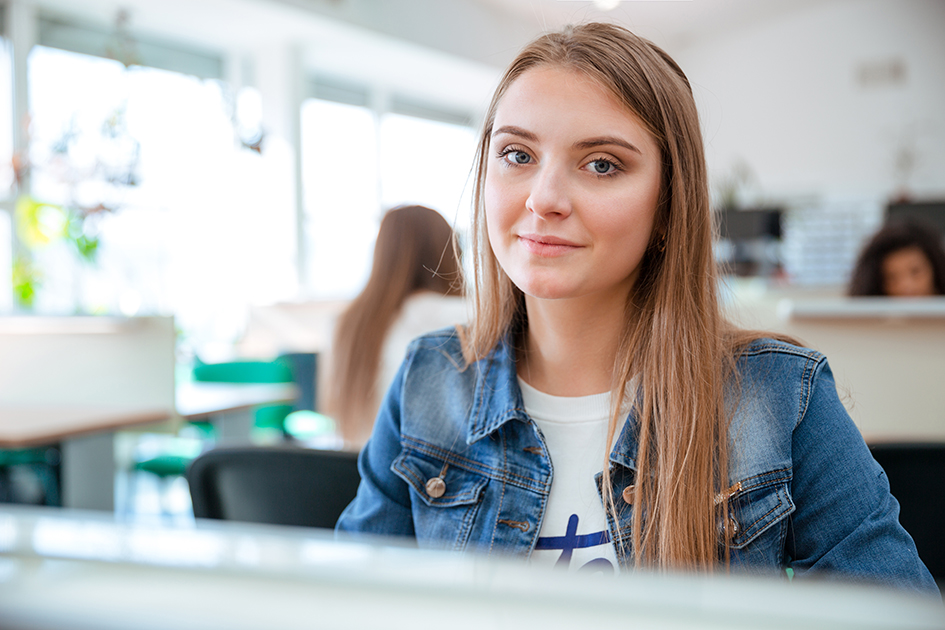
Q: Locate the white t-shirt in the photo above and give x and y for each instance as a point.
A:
(574, 533)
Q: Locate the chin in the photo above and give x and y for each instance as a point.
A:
(543, 291)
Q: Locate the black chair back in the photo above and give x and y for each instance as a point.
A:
(916, 473)
(279, 485)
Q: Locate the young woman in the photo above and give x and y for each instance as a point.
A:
(415, 286)
(903, 259)
(599, 412)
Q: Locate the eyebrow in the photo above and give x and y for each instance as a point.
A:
(590, 143)
(515, 131)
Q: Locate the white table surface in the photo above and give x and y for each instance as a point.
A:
(68, 570)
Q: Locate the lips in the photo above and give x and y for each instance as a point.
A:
(547, 245)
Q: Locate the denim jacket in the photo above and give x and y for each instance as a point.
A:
(807, 494)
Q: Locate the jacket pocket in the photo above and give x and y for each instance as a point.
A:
(445, 498)
(756, 505)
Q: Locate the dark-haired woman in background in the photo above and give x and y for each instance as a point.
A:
(903, 259)
(415, 286)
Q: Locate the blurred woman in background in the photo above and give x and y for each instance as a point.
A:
(903, 259)
(415, 286)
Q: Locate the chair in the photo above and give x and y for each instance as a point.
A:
(42, 463)
(280, 485)
(916, 473)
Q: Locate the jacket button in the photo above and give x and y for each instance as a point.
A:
(628, 495)
(436, 487)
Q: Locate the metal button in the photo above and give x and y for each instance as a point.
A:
(628, 494)
(436, 487)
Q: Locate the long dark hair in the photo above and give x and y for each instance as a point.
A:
(896, 235)
(415, 251)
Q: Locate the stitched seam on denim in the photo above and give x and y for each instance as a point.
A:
(495, 526)
(452, 458)
(478, 402)
(746, 483)
(775, 348)
(398, 467)
(475, 467)
(810, 371)
(765, 515)
(471, 511)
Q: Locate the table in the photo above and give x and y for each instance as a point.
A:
(229, 405)
(73, 571)
(85, 434)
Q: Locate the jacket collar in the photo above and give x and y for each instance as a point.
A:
(499, 400)
(498, 396)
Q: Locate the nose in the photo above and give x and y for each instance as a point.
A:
(549, 196)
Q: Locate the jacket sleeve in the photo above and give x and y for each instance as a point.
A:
(382, 505)
(846, 523)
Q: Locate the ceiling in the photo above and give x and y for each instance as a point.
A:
(241, 23)
(463, 43)
(672, 24)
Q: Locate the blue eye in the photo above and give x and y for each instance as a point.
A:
(514, 156)
(602, 167)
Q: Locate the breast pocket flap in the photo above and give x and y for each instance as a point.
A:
(438, 484)
(756, 507)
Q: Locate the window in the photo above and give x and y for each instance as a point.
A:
(427, 162)
(340, 174)
(6, 118)
(6, 175)
(355, 165)
(195, 227)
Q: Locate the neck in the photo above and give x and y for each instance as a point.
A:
(571, 345)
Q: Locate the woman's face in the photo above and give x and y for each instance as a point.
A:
(572, 185)
(908, 273)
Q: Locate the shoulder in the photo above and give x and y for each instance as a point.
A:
(766, 348)
(437, 349)
(446, 338)
(782, 382)
(768, 359)
(776, 386)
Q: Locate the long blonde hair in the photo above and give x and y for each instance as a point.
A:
(414, 252)
(675, 336)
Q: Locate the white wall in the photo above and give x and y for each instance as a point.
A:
(784, 97)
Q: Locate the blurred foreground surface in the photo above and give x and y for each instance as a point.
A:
(72, 570)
